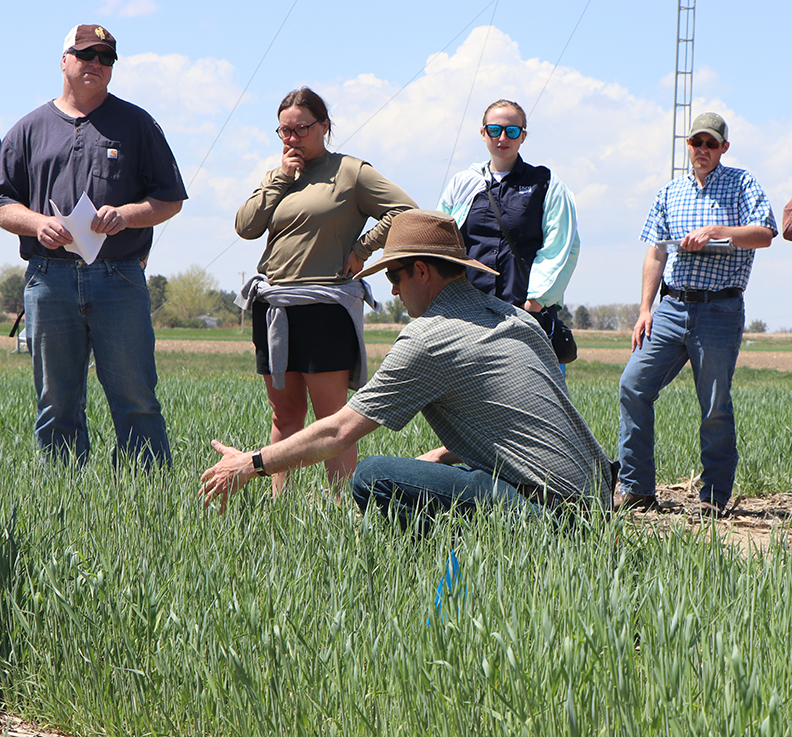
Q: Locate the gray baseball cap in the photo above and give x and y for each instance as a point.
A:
(711, 123)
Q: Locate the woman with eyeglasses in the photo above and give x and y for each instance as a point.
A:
(537, 211)
(307, 309)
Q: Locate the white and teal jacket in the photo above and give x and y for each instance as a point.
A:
(539, 213)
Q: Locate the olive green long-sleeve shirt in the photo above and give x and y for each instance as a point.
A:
(315, 221)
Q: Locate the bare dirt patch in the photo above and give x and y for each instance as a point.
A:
(10, 726)
(752, 353)
(749, 522)
(205, 346)
(778, 360)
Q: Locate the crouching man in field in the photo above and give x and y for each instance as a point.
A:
(483, 374)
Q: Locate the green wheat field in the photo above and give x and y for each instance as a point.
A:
(128, 609)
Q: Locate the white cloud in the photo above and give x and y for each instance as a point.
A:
(182, 94)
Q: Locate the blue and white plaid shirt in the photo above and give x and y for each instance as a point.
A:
(729, 197)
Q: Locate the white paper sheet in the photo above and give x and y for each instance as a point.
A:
(85, 242)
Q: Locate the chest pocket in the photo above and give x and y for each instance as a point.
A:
(108, 159)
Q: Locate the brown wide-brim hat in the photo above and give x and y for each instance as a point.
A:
(416, 233)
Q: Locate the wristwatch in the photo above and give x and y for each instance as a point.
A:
(258, 464)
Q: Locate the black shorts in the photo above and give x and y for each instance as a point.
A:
(322, 338)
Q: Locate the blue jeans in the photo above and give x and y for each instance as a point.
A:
(708, 334)
(408, 488)
(71, 308)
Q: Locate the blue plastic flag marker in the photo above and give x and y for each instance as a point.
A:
(449, 581)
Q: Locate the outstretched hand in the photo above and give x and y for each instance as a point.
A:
(227, 476)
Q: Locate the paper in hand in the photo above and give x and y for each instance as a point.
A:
(716, 247)
(85, 242)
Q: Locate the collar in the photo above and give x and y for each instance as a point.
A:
(449, 291)
(713, 176)
(318, 161)
(517, 170)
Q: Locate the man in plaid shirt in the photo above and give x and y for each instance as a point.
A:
(701, 313)
(483, 374)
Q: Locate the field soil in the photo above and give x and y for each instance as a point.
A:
(14, 727)
(761, 359)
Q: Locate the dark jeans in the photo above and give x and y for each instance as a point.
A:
(408, 488)
(72, 308)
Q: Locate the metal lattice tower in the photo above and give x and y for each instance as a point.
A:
(683, 86)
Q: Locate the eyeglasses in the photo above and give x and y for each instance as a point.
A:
(301, 131)
(512, 131)
(710, 143)
(392, 278)
(106, 58)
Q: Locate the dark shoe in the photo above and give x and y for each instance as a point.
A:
(713, 509)
(628, 500)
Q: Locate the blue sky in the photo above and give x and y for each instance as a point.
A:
(603, 122)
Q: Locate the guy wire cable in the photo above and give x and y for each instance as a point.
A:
(348, 138)
(413, 78)
(467, 102)
(233, 110)
(558, 61)
(217, 138)
(493, 3)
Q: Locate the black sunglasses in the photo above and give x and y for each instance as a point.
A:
(710, 143)
(392, 278)
(512, 131)
(106, 58)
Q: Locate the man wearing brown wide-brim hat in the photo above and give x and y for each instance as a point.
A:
(482, 373)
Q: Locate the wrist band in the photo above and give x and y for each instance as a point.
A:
(258, 464)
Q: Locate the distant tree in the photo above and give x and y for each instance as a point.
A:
(604, 317)
(12, 288)
(157, 285)
(614, 316)
(628, 316)
(582, 319)
(756, 326)
(566, 316)
(189, 294)
(227, 311)
(392, 312)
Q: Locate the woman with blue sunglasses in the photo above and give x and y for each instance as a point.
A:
(536, 209)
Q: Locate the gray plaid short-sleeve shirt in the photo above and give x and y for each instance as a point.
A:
(484, 375)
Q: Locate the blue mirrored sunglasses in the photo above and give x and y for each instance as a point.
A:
(512, 131)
